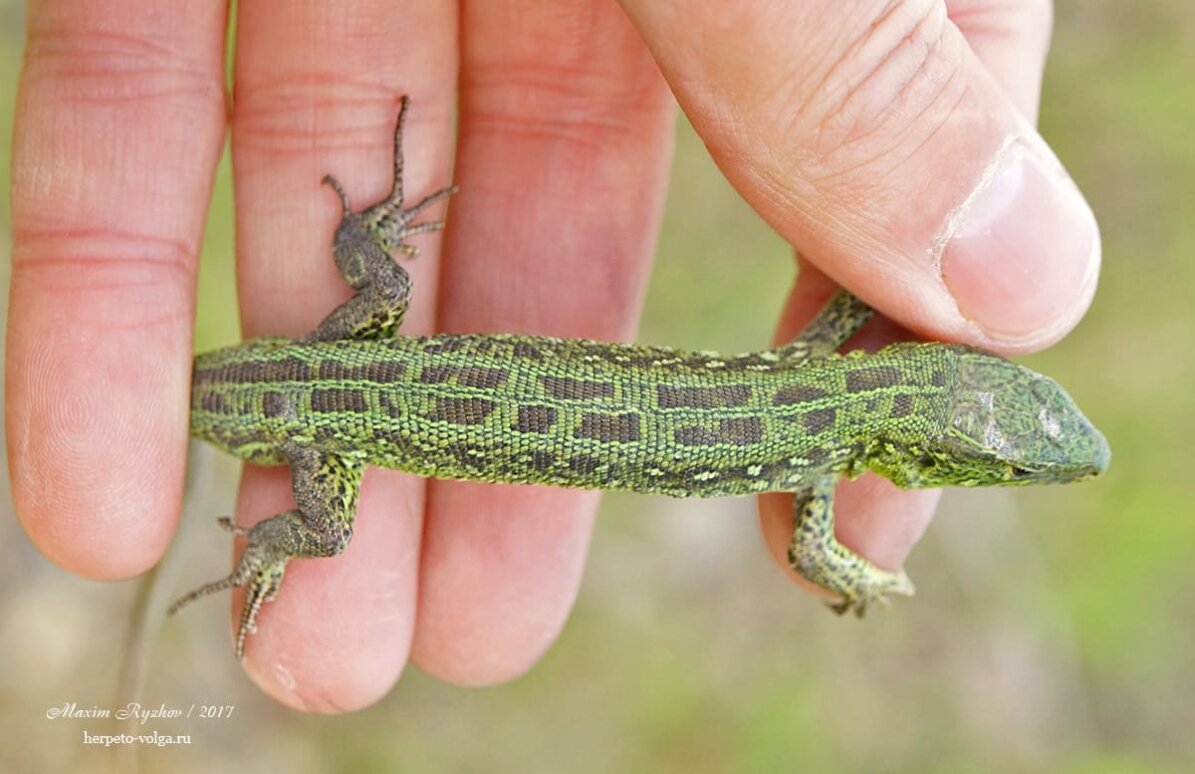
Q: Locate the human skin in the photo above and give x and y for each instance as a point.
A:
(869, 136)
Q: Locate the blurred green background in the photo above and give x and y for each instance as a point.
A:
(1053, 629)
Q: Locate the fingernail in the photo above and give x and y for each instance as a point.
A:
(1023, 258)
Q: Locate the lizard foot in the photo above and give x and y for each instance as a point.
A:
(857, 582)
(879, 584)
(259, 572)
(817, 556)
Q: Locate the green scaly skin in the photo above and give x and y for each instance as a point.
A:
(528, 409)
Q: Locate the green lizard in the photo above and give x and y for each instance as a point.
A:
(576, 413)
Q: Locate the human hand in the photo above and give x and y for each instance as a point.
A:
(564, 137)
(893, 145)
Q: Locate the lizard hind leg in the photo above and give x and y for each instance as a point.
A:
(387, 219)
(325, 488)
(817, 556)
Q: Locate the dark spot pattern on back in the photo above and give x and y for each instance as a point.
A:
(616, 428)
(723, 396)
(483, 345)
(872, 378)
(694, 435)
(436, 374)
(288, 369)
(466, 456)
(204, 376)
(576, 389)
(334, 369)
(463, 411)
(541, 460)
(443, 346)
(741, 431)
(481, 377)
(584, 464)
(526, 351)
(798, 393)
(273, 404)
(902, 405)
(330, 400)
(384, 370)
(733, 431)
(818, 421)
(535, 419)
(465, 376)
(391, 406)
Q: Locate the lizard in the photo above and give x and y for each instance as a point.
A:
(577, 413)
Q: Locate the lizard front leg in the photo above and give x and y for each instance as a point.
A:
(325, 487)
(837, 321)
(817, 556)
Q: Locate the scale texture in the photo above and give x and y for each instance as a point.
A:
(574, 413)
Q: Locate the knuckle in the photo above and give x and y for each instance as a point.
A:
(103, 67)
(103, 279)
(586, 109)
(279, 119)
(65, 260)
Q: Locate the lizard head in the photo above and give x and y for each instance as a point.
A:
(1006, 424)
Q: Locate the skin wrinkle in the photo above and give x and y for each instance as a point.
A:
(76, 279)
(276, 133)
(858, 83)
(531, 83)
(116, 74)
(110, 58)
(821, 165)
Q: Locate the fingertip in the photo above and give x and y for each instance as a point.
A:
(95, 434)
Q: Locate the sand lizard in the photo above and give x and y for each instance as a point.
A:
(596, 415)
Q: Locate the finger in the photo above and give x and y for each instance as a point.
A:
(565, 135)
(884, 151)
(119, 123)
(1010, 39)
(318, 94)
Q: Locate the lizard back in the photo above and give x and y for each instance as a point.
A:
(566, 412)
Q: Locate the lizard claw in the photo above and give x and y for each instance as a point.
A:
(228, 525)
(261, 576)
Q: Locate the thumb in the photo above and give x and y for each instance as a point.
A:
(872, 138)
